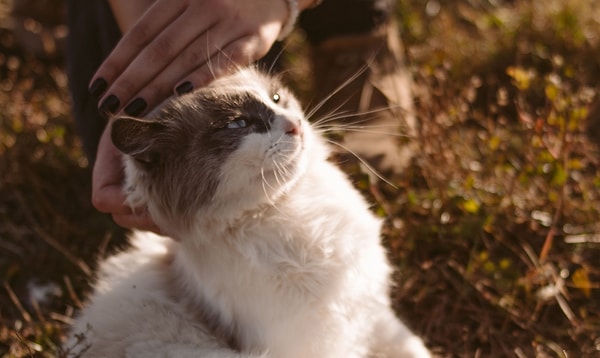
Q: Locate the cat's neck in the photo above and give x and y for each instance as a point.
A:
(250, 205)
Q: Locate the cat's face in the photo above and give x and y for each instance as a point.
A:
(239, 142)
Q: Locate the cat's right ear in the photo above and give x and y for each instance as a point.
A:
(137, 137)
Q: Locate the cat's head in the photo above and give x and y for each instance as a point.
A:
(231, 146)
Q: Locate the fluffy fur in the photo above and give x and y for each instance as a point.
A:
(274, 253)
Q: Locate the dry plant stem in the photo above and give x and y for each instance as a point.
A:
(487, 296)
(38, 312)
(25, 344)
(15, 300)
(64, 251)
(78, 303)
(564, 156)
(53, 242)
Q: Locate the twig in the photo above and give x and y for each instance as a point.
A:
(63, 250)
(72, 293)
(38, 311)
(15, 300)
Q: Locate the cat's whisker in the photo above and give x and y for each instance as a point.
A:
(231, 65)
(271, 68)
(379, 130)
(364, 162)
(321, 103)
(360, 117)
(209, 63)
(279, 173)
(265, 184)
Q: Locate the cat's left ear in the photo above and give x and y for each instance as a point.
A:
(137, 137)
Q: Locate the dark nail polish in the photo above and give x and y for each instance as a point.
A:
(110, 104)
(185, 87)
(98, 87)
(136, 107)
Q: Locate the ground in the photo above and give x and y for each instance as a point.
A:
(494, 226)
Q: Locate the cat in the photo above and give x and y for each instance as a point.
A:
(272, 252)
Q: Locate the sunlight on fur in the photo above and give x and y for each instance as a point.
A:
(275, 253)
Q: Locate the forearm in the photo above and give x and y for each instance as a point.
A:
(127, 12)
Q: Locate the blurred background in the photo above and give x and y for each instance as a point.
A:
(494, 226)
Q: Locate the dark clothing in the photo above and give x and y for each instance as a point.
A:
(344, 17)
(93, 33)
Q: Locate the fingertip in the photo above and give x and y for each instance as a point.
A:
(135, 221)
(99, 203)
(98, 87)
(121, 220)
(184, 87)
(136, 107)
(109, 105)
(110, 199)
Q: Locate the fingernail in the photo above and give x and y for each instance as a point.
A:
(98, 87)
(185, 87)
(136, 107)
(110, 104)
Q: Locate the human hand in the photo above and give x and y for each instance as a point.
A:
(107, 188)
(178, 45)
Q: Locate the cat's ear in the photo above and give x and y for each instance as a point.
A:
(137, 137)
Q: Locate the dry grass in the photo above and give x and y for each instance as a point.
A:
(495, 226)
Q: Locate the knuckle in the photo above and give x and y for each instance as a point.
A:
(160, 49)
(193, 56)
(139, 35)
(154, 92)
(241, 52)
(123, 88)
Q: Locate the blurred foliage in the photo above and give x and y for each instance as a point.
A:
(494, 226)
(49, 233)
(500, 216)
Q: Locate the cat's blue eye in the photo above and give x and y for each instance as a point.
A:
(238, 123)
(276, 98)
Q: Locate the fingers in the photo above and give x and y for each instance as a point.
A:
(134, 41)
(240, 51)
(111, 200)
(107, 175)
(195, 56)
(192, 69)
(201, 63)
(182, 45)
(129, 72)
(107, 188)
(136, 221)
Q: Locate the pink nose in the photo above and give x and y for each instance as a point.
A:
(293, 130)
(291, 126)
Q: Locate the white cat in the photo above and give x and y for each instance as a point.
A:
(274, 253)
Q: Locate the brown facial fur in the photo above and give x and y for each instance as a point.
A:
(180, 148)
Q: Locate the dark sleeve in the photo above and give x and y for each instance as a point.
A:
(93, 33)
(345, 17)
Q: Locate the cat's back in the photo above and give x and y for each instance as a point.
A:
(131, 307)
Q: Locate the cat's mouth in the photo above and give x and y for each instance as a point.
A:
(284, 154)
(285, 150)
